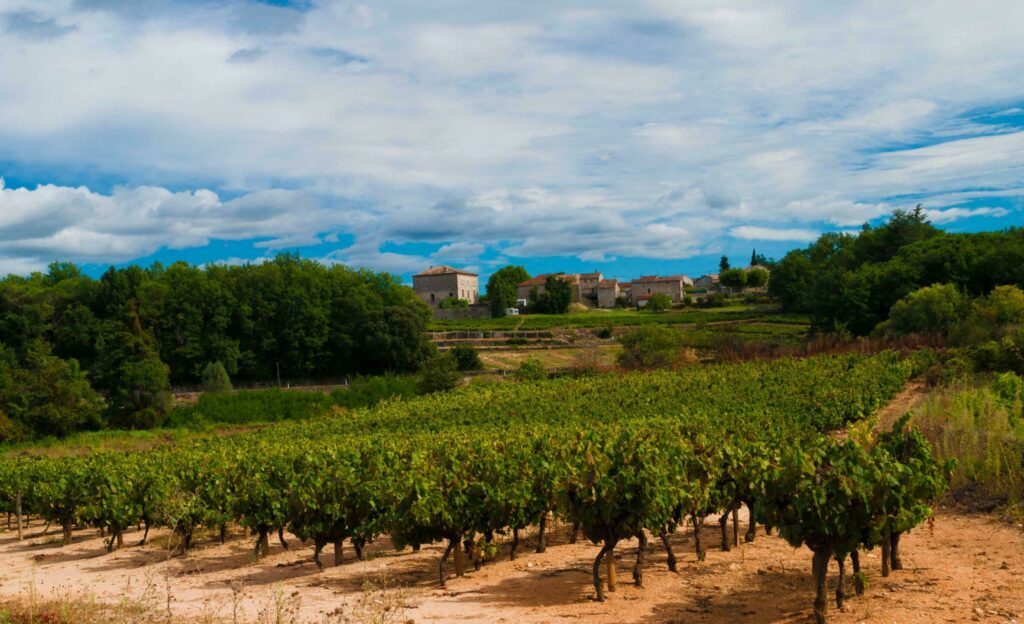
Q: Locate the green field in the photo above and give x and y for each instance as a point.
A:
(611, 318)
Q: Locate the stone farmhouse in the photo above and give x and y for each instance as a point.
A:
(673, 285)
(593, 290)
(706, 281)
(444, 282)
(523, 289)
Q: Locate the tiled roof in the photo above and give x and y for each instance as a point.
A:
(648, 279)
(590, 276)
(608, 283)
(443, 270)
(542, 279)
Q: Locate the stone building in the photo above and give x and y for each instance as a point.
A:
(673, 285)
(607, 293)
(706, 281)
(443, 282)
(523, 289)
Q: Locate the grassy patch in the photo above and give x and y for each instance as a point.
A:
(983, 430)
(602, 318)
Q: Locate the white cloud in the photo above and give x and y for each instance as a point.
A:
(593, 130)
(753, 232)
(954, 214)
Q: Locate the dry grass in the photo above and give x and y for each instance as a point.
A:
(984, 433)
(380, 602)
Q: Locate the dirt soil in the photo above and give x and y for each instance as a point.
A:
(961, 568)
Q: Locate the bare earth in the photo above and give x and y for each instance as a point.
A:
(964, 567)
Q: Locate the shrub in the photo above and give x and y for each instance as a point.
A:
(369, 391)
(215, 378)
(1005, 305)
(932, 309)
(659, 302)
(650, 346)
(250, 406)
(531, 369)
(440, 373)
(577, 308)
(453, 303)
(467, 358)
(604, 333)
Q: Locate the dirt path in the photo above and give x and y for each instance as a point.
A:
(954, 568)
(905, 401)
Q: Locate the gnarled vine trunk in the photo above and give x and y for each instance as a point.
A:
(894, 552)
(819, 569)
(542, 544)
(723, 523)
(638, 567)
(696, 537)
(858, 578)
(668, 551)
(606, 550)
(442, 570)
(841, 586)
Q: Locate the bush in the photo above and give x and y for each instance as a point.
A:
(1005, 305)
(531, 369)
(453, 303)
(714, 300)
(369, 391)
(577, 308)
(215, 378)
(440, 373)
(659, 302)
(932, 309)
(650, 346)
(250, 406)
(467, 358)
(604, 333)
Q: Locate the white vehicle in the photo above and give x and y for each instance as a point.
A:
(511, 311)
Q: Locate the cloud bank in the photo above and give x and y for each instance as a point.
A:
(595, 130)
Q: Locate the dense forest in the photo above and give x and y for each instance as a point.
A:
(849, 283)
(77, 352)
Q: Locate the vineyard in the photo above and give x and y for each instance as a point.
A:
(616, 457)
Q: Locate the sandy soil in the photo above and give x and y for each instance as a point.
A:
(963, 567)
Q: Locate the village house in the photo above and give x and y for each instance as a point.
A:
(706, 281)
(607, 293)
(673, 285)
(589, 283)
(444, 282)
(523, 289)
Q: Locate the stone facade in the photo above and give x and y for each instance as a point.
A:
(439, 283)
(607, 293)
(674, 286)
(706, 281)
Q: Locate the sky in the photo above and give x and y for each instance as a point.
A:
(629, 138)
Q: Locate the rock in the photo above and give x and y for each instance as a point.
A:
(762, 571)
(979, 611)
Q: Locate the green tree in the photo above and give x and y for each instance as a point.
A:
(723, 264)
(735, 279)
(467, 358)
(440, 373)
(757, 278)
(650, 346)
(136, 382)
(47, 395)
(933, 309)
(556, 297)
(659, 302)
(501, 288)
(1005, 305)
(215, 378)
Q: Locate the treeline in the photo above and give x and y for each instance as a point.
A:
(78, 353)
(849, 283)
